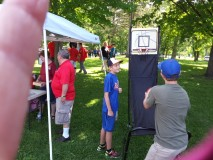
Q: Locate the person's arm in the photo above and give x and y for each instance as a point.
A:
(119, 90)
(25, 36)
(145, 104)
(79, 54)
(38, 79)
(76, 55)
(64, 92)
(109, 108)
(53, 69)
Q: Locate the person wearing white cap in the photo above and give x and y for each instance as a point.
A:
(172, 104)
(110, 108)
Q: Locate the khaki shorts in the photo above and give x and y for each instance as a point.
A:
(159, 152)
(63, 111)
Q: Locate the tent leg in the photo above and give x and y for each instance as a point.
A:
(29, 116)
(126, 145)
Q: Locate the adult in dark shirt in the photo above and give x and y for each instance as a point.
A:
(105, 55)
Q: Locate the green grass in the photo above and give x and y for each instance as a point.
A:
(86, 117)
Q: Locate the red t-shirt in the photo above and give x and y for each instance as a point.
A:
(51, 48)
(73, 54)
(51, 68)
(64, 75)
(82, 54)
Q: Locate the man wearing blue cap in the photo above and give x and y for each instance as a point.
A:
(172, 104)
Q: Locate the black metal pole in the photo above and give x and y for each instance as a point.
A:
(158, 50)
(126, 145)
(129, 76)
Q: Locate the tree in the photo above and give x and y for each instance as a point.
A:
(188, 18)
(93, 12)
(106, 18)
(209, 72)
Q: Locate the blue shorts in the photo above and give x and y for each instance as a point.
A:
(108, 122)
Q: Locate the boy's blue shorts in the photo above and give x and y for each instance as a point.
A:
(108, 122)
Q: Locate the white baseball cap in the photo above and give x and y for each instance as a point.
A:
(112, 61)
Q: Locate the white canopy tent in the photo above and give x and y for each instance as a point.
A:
(60, 29)
(56, 28)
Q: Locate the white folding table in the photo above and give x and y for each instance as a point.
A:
(34, 93)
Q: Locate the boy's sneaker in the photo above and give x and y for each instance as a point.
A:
(112, 154)
(101, 147)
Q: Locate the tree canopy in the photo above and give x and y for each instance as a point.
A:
(182, 22)
(186, 25)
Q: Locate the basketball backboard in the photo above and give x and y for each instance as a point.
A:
(144, 41)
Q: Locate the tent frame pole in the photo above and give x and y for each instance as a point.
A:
(102, 59)
(48, 92)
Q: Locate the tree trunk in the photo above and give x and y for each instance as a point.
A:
(57, 46)
(163, 51)
(209, 71)
(196, 55)
(130, 35)
(166, 53)
(174, 48)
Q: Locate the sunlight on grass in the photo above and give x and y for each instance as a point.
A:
(95, 71)
(37, 65)
(201, 68)
(82, 136)
(95, 68)
(92, 103)
(96, 75)
(124, 66)
(196, 64)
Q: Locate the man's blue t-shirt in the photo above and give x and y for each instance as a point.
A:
(111, 85)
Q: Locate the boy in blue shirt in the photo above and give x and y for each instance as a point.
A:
(110, 107)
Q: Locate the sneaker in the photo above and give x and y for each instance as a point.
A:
(63, 139)
(112, 154)
(101, 147)
(53, 117)
(38, 117)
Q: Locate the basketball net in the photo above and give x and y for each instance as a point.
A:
(143, 50)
